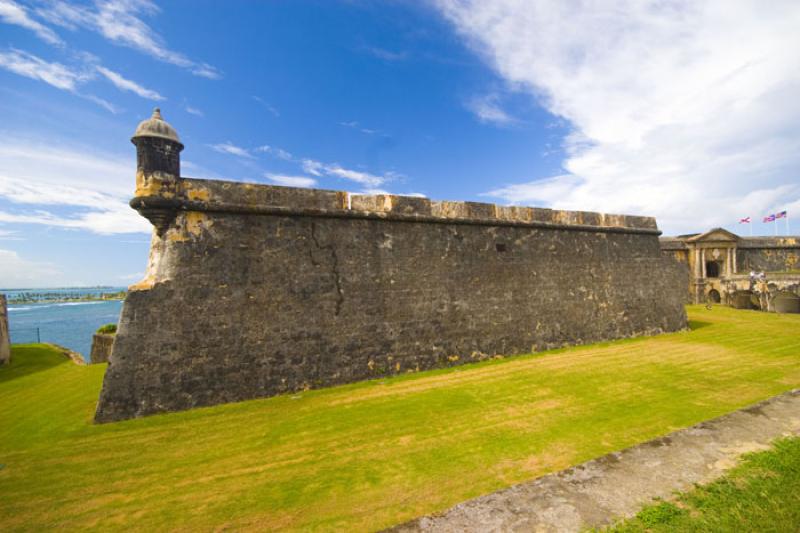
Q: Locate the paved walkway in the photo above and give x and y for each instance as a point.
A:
(617, 485)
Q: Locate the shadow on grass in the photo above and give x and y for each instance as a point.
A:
(28, 359)
(698, 324)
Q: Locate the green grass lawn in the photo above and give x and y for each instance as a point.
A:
(761, 494)
(373, 454)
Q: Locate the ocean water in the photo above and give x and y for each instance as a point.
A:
(70, 324)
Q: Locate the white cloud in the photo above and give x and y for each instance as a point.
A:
(373, 191)
(204, 70)
(30, 66)
(356, 126)
(193, 111)
(124, 84)
(291, 181)
(232, 149)
(8, 235)
(13, 13)
(487, 109)
(386, 55)
(309, 166)
(683, 110)
(120, 21)
(316, 168)
(114, 217)
(280, 153)
(313, 167)
(45, 179)
(199, 171)
(16, 271)
(364, 178)
(547, 191)
(54, 74)
(272, 109)
(102, 103)
(384, 191)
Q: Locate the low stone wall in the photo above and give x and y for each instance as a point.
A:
(675, 255)
(102, 344)
(769, 254)
(73, 356)
(5, 340)
(255, 290)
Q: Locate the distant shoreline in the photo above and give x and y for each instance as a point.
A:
(69, 288)
(49, 298)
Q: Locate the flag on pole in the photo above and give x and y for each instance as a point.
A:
(770, 218)
(746, 220)
(784, 215)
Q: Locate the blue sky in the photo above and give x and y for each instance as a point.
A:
(683, 111)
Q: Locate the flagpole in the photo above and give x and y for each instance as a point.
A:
(775, 221)
(749, 222)
(787, 223)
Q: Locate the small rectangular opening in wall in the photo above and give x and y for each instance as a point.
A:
(500, 247)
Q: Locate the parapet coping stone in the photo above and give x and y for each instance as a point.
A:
(250, 198)
(770, 242)
(672, 243)
(755, 243)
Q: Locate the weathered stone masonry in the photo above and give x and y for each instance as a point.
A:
(102, 343)
(716, 264)
(255, 290)
(5, 341)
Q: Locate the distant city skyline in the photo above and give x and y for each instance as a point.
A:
(680, 110)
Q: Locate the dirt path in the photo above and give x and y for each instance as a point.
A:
(617, 485)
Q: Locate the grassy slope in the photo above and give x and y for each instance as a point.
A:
(761, 494)
(369, 455)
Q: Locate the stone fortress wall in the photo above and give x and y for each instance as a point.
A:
(5, 340)
(256, 290)
(679, 261)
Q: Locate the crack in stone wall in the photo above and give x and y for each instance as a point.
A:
(334, 267)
